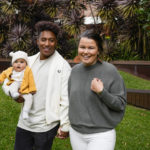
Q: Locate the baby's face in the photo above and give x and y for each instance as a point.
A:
(19, 65)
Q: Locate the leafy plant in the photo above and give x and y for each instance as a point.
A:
(19, 37)
(73, 17)
(18, 18)
(122, 22)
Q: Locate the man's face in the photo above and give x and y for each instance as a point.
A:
(46, 42)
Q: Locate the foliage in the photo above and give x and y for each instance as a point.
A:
(126, 22)
(21, 34)
(18, 18)
(108, 13)
(144, 14)
(74, 17)
(71, 46)
(121, 51)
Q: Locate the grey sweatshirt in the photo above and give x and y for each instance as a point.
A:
(90, 112)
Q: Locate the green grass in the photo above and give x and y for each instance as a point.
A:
(9, 111)
(133, 82)
(133, 132)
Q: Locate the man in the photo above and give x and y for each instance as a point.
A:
(49, 112)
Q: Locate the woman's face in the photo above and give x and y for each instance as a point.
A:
(88, 51)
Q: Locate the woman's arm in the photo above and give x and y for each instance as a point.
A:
(115, 98)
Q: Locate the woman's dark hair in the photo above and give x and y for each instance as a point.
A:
(46, 26)
(94, 35)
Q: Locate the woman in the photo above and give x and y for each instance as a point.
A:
(97, 98)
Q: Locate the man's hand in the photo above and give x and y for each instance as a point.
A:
(20, 99)
(62, 134)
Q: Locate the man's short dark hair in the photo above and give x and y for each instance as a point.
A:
(46, 26)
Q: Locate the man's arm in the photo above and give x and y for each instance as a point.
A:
(63, 131)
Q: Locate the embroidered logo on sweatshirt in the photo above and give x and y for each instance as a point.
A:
(59, 71)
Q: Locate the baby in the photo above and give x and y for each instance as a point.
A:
(18, 80)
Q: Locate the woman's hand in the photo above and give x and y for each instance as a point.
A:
(97, 85)
(62, 134)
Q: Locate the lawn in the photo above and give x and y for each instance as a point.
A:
(133, 132)
(134, 82)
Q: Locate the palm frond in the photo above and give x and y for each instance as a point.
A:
(20, 37)
(129, 9)
(6, 50)
(7, 8)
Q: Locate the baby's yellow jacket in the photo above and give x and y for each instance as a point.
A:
(27, 85)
